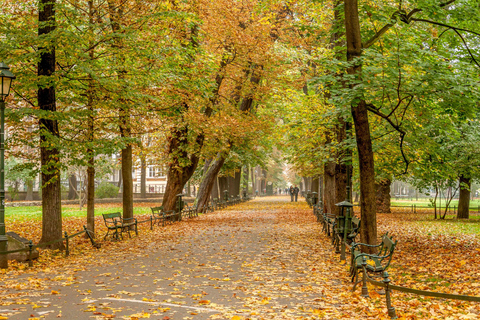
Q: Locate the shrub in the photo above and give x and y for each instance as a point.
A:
(106, 190)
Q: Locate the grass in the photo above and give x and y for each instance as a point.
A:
(35, 212)
(424, 202)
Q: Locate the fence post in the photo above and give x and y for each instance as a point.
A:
(391, 310)
(30, 251)
(67, 251)
(364, 279)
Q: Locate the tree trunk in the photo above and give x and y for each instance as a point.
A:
(208, 182)
(464, 198)
(91, 133)
(254, 182)
(51, 191)
(245, 179)
(359, 111)
(341, 166)
(215, 194)
(222, 186)
(72, 187)
(143, 177)
(91, 196)
(329, 188)
(179, 174)
(367, 175)
(119, 182)
(383, 196)
(127, 165)
(314, 186)
(29, 196)
(234, 183)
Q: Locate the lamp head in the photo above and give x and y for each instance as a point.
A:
(6, 78)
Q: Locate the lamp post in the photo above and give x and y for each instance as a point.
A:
(6, 78)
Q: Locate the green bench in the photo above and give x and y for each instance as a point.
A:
(377, 263)
(328, 223)
(116, 223)
(189, 211)
(163, 216)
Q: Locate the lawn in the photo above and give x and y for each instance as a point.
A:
(424, 202)
(35, 212)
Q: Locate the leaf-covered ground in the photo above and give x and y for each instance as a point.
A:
(264, 259)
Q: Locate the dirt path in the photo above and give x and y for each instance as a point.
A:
(264, 259)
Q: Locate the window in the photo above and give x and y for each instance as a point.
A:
(151, 172)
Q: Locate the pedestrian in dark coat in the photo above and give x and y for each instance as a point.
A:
(295, 192)
(292, 193)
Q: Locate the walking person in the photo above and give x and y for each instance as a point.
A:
(291, 191)
(295, 192)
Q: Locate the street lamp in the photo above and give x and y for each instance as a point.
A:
(6, 78)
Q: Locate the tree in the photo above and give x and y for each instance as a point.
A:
(50, 156)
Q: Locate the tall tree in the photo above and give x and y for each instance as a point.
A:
(50, 156)
(362, 127)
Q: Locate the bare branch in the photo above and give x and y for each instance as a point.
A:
(445, 25)
(403, 17)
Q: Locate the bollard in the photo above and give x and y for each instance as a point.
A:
(364, 279)
(30, 251)
(391, 310)
(151, 223)
(67, 249)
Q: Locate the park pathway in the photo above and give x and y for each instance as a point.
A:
(264, 259)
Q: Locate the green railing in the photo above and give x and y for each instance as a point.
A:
(65, 238)
(385, 283)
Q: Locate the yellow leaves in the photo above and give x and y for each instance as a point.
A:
(236, 318)
(148, 300)
(54, 292)
(137, 316)
(203, 302)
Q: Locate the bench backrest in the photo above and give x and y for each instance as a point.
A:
(387, 248)
(157, 209)
(111, 219)
(356, 223)
(113, 216)
(388, 243)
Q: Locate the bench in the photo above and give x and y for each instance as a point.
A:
(375, 263)
(309, 200)
(209, 207)
(163, 216)
(328, 223)
(116, 223)
(318, 211)
(190, 211)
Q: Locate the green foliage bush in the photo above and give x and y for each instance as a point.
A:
(106, 190)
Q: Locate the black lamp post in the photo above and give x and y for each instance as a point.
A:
(6, 78)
